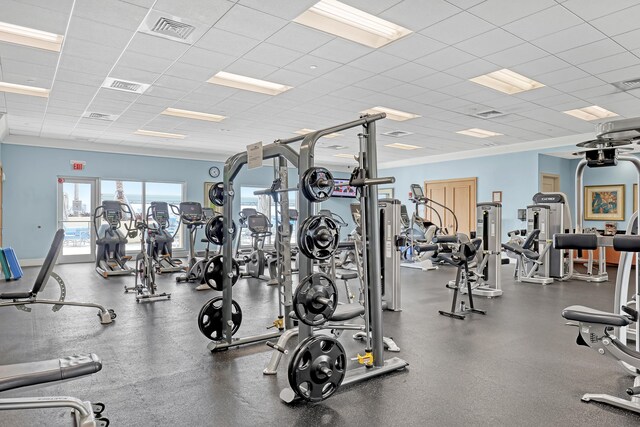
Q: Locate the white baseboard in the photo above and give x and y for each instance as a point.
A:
(35, 262)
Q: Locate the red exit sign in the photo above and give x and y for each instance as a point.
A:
(78, 165)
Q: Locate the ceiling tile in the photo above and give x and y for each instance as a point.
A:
(570, 38)
(409, 72)
(225, 42)
(140, 76)
(490, 42)
(29, 55)
(629, 40)
(413, 15)
(540, 66)
(377, 62)
(471, 69)
(618, 22)
(112, 12)
(270, 54)
(284, 9)
(298, 37)
(189, 72)
(562, 75)
(548, 21)
(140, 61)
(214, 61)
(501, 12)
(591, 52)
(341, 50)
(378, 83)
(35, 16)
(446, 58)
(457, 28)
(610, 63)
(312, 65)
(157, 46)
(250, 23)
(629, 73)
(437, 81)
(516, 55)
(592, 9)
(207, 11)
(413, 46)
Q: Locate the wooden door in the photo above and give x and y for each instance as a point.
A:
(459, 195)
(549, 183)
(434, 213)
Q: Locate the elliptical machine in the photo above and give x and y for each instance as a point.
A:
(260, 228)
(192, 217)
(161, 240)
(111, 258)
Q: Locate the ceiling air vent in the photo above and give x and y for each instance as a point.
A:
(162, 24)
(100, 116)
(628, 84)
(398, 133)
(489, 114)
(335, 147)
(125, 85)
(169, 27)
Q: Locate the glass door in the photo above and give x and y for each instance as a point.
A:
(76, 203)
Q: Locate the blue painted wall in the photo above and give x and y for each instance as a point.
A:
(515, 174)
(30, 189)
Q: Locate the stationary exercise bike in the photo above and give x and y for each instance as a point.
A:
(161, 247)
(111, 258)
(260, 228)
(145, 282)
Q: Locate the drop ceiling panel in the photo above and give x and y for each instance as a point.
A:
(629, 40)
(341, 50)
(501, 12)
(112, 12)
(284, 9)
(540, 24)
(30, 55)
(377, 62)
(490, 42)
(298, 37)
(90, 66)
(206, 11)
(250, 23)
(414, 15)
(592, 9)
(591, 52)
(306, 63)
(619, 22)
(520, 54)
(457, 28)
(445, 58)
(409, 72)
(270, 54)
(34, 16)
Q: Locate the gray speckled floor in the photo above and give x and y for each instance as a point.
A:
(518, 365)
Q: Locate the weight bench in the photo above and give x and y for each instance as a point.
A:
(528, 261)
(21, 299)
(55, 370)
(597, 328)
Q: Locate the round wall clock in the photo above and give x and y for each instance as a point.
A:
(214, 172)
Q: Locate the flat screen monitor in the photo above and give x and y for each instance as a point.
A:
(342, 190)
(416, 189)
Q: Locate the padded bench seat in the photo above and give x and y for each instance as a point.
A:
(581, 313)
(521, 251)
(347, 276)
(46, 371)
(445, 239)
(15, 295)
(346, 312)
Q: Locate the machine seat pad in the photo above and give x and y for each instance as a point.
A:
(527, 253)
(581, 313)
(347, 312)
(425, 247)
(626, 243)
(346, 245)
(578, 241)
(46, 371)
(15, 295)
(445, 239)
(347, 276)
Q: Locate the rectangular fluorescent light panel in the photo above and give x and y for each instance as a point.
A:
(306, 131)
(339, 19)
(478, 133)
(176, 112)
(400, 146)
(25, 36)
(507, 81)
(24, 90)
(248, 83)
(159, 134)
(345, 156)
(399, 116)
(591, 113)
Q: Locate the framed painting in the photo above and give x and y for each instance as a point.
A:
(207, 203)
(604, 202)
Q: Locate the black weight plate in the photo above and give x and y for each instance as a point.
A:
(311, 187)
(214, 272)
(210, 319)
(214, 230)
(216, 194)
(318, 237)
(308, 310)
(317, 368)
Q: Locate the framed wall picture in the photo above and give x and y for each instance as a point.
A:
(385, 193)
(207, 203)
(496, 197)
(604, 202)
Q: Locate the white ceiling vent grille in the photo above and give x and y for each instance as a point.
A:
(125, 85)
(628, 84)
(489, 114)
(100, 116)
(169, 27)
(162, 24)
(398, 133)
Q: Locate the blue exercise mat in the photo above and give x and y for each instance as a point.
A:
(5, 267)
(14, 265)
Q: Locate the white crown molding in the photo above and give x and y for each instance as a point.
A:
(74, 144)
(540, 146)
